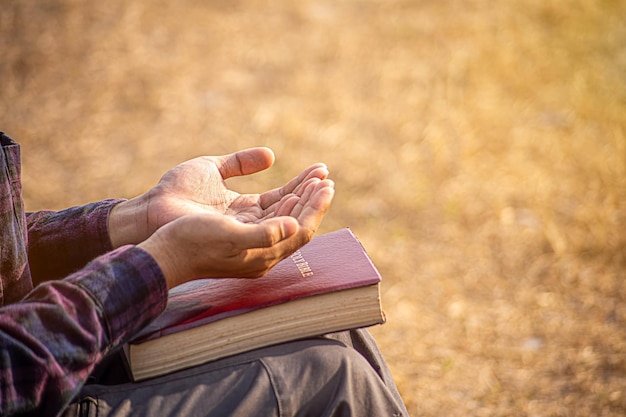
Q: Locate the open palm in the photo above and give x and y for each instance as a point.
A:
(199, 186)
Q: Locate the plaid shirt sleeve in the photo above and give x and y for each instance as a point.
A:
(51, 340)
(61, 242)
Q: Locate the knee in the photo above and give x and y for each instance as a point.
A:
(334, 363)
(327, 378)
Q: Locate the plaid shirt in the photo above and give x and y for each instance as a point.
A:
(66, 298)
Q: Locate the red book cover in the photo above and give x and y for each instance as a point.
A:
(329, 262)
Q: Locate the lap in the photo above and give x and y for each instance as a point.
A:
(303, 377)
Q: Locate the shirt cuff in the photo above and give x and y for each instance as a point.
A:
(128, 288)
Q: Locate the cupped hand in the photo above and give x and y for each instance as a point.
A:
(204, 244)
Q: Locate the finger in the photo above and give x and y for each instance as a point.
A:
(293, 204)
(313, 209)
(280, 208)
(288, 246)
(285, 205)
(268, 233)
(245, 162)
(315, 175)
(268, 198)
(309, 220)
(307, 191)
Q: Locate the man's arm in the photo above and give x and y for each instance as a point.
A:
(61, 242)
(51, 340)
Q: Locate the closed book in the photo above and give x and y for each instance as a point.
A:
(329, 285)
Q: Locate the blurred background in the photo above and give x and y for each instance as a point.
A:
(478, 149)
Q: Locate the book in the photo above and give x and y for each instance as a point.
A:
(329, 285)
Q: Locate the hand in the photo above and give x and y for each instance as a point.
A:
(213, 245)
(198, 186)
(205, 230)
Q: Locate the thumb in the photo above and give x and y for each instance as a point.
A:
(269, 232)
(247, 161)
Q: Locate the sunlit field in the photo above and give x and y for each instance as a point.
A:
(478, 149)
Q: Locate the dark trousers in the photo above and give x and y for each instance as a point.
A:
(342, 374)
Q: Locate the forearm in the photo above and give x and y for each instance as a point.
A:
(53, 338)
(62, 242)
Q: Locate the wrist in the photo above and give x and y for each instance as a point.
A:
(126, 224)
(164, 256)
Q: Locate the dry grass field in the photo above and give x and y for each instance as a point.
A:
(478, 149)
